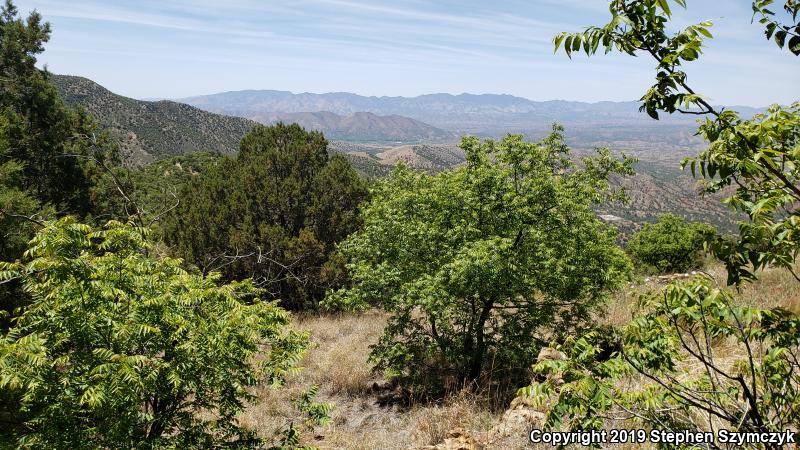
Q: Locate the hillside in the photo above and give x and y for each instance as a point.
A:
(658, 187)
(360, 126)
(153, 130)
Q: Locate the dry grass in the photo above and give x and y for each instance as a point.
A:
(774, 288)
(337, 362)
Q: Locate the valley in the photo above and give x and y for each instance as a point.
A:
(149, 131)
(328, 267)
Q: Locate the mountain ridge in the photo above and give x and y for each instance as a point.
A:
(149, 130)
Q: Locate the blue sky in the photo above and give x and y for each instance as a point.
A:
(171, 49)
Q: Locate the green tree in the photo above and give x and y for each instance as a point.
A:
(273, 214)
(56, 146)
(671, 244)
(681, 326)
(123, 350)
(17, 207)
(146, 195)
(18, 212)
(49, 154)
(484, 261)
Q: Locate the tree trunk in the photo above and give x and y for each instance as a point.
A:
(475, 367)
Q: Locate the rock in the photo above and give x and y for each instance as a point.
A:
(517, 422)
(551, 354)
(457, 439)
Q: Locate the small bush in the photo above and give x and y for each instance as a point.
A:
(671, 245)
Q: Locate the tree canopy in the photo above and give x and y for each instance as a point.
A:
(49, 153)
(54, 145)
(671, 244)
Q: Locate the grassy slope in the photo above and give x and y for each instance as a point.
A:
(338, 364)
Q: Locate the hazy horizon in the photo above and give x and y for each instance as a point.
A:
(179, 49)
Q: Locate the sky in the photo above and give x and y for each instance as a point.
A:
(171, 49)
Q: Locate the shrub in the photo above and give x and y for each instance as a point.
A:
(120, 349)
(671, 245)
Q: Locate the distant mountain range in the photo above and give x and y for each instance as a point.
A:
(149, 130)
(153, 130)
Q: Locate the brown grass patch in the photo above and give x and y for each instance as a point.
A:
(337, 362)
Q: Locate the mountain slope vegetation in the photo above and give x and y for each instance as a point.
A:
(147, 130)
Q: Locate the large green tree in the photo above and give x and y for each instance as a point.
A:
(48, 152)
(671, 244)
(274, 214)
(55, 145)
(120, 349)
(484, 262)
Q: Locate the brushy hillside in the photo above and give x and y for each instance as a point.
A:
(658, 187)
(153, 130)
(370, 413)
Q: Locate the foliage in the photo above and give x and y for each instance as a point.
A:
(55, 146)
(686, 323)
(17, 225)
(671, 245)
(774, 29)
(686, 383)
(481, 262)
(147, 194)
(16, 205)
(273, 214)
(48, 153)
(120, 349)
(317, 414)
(759, 157)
